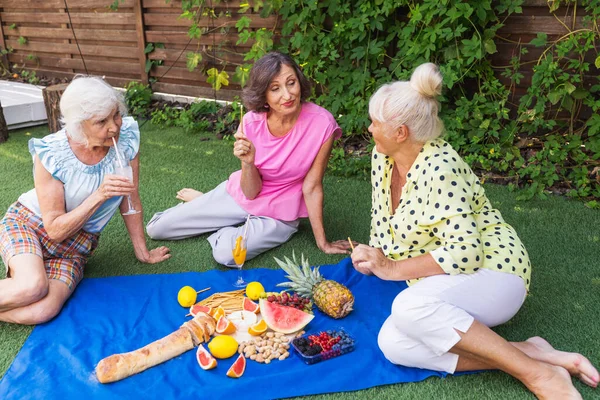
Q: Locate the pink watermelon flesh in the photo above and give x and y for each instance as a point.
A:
(283, 319)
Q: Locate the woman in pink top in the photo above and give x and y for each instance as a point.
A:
(283, 144)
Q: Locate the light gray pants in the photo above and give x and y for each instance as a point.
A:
(217, 211)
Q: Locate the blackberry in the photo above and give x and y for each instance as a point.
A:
(312, 352)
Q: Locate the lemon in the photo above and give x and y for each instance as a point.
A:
(223, 346)
(187, 296)
(254, 290)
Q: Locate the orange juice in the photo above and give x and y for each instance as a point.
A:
(239, 256)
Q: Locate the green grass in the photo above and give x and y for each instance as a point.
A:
(562, 237)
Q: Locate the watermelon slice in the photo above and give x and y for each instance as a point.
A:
(283, 319)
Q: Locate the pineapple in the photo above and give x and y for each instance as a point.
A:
(331, 297)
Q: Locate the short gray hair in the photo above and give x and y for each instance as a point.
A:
(262, 73)
(411, 103)
(85, 98)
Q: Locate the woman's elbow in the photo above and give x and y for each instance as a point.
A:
(55, 235)
(250, 195)
(309, 189)
(477, 260)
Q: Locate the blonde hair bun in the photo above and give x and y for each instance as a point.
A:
(427, 80)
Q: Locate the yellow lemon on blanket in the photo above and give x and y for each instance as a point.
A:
(255, 290)
(187, 296)
(223, 346)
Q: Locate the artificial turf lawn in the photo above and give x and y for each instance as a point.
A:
(562, 237)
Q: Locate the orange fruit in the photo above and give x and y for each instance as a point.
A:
(258, 328)
(251, 306)
(225, 326)
(218, 313)
(238, 367)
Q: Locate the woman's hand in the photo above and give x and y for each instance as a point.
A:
(371, 261)
(156, 255)
(337, 247)
(115, 185)
(243, 148)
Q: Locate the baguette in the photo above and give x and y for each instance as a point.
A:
(191, 334)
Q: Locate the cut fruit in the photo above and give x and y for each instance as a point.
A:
(251, 306)
(242, 319)
(238, 367)
(225, 326)
(223, 346)
(205, 360)
(218, 313)
(283, 319)
(196, 308)
(258, 329)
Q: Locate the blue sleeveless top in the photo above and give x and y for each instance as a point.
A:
(81, 180)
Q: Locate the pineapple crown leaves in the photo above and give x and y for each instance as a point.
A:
(302, 279)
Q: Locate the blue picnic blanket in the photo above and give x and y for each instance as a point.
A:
(119, 314)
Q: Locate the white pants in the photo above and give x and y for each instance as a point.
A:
(218, 211)
(422, 327)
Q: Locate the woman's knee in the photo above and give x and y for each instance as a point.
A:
(154, 229)
(386, 341)
(40, 313)
(222, 254)
(396, 347)
(407, 310)
(33, 289)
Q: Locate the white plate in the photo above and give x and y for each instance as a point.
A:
(242, 321)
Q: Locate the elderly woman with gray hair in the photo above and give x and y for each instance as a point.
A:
(433, 226)
(283, 143)
(47, 236)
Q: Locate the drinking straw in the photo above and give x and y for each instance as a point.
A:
(246, 229)
(117, 151)
(351, 245)
(242, 118)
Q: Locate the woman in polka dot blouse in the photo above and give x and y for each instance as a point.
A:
(433, 226)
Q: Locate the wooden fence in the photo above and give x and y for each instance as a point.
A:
(520, 29)
(113, 43)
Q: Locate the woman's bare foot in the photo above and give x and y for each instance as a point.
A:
(552, 382)
(187, 194)
(576, 364)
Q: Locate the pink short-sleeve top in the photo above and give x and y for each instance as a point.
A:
(283, 162)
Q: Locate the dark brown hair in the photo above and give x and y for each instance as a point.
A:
(262, 73)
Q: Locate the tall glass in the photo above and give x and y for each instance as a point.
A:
(126, 171)
(238, 250)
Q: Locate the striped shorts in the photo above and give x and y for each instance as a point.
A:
(23, 232)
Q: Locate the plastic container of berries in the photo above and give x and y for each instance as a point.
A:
(324, 345)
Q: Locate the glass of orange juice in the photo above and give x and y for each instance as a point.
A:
(238, 250)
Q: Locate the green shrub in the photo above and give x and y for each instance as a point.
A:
(138, 98)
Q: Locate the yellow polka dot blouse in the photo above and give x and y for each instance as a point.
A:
(443, 211)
